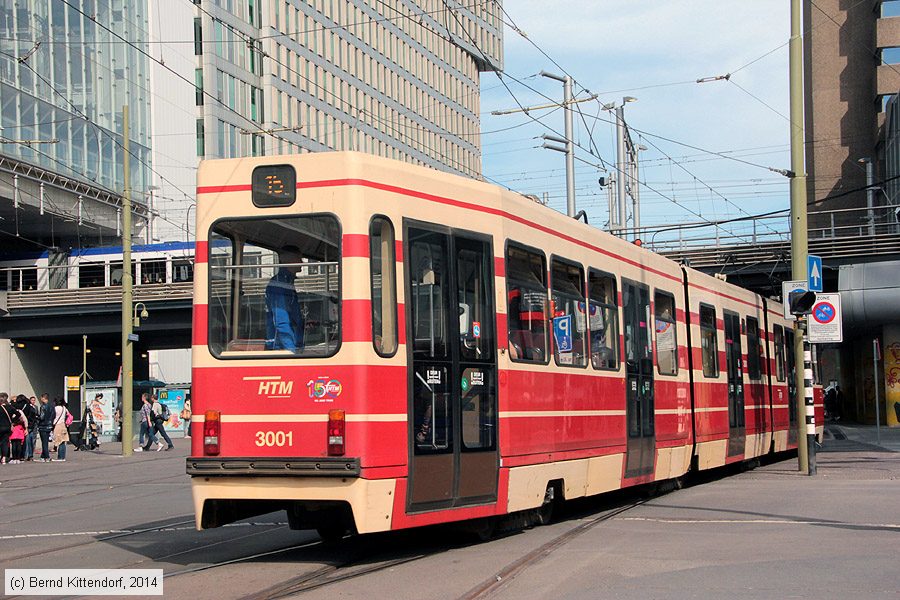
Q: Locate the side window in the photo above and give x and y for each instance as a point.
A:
(567, 281)
(666, 338)
(384, 286)
(753, 359)
(709, 342)
(526, 307)
(603, 321)
(779, 353)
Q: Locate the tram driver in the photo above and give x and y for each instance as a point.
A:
(284, 318)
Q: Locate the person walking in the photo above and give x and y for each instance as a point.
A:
(7, 420)
(46, 415)
(147, 425)
(61, 421)
(159, 422)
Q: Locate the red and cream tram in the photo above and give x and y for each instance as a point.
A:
(380, 346)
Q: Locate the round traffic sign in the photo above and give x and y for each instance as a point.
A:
(824, 312)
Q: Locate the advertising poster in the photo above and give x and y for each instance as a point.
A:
(892, 379)
(103, 402)
(174, 399)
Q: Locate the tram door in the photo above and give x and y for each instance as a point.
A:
(793, 395)
(453, 368)
(638, 380)
(736, 416)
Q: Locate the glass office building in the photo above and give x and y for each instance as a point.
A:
(65, 76)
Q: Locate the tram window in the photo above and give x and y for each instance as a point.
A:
(116, 272)
(779, 353)
(182, 270)
(29, 279)
(526, 309)
(753, 361)
(384, 287)
(567, 281)
(473, 271)
(709, 342)
(429, 288)
(666, 336)
(603, 320)
(92, 275)
(263, 298)
(153, 271)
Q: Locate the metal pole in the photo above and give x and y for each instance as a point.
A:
(127, 404)
(636, 196)
(808, 401)
(570, 149)
(620, 168)
(799, 240)
(875, 383)
(611, 200)
(570, 145)
(870, 195)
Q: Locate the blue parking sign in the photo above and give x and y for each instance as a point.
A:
(562, 333)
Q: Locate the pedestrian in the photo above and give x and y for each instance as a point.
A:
(46, 415)
(61, 421)
(160, 418)
(31, 413)
(146, 425)
(17, 438)
(7, 418)
(186, 417)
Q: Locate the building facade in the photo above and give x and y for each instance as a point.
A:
(397, 78)
(64, 76)
(852, 70)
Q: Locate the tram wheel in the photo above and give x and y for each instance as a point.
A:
(544, 514)
(331, 533)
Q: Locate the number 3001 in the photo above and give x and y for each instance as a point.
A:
(274, 438)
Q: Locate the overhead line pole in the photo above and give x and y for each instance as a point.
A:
(570, 146)
(799, 241)
(126, 406)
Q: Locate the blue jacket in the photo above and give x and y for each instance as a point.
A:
(284, 322)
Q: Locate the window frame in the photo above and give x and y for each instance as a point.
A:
(674, 322)
(583, 288)
(616, 309)
(757, 361)
(393, 263)
(715, 338)
(274, 354)
(780, 358)
(544, 289)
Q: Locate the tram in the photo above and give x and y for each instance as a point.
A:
(379, 346)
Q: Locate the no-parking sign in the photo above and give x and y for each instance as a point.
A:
(824, 322)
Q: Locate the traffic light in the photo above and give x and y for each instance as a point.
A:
(801, 302)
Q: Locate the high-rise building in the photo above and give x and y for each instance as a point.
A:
(396, 78)
(852, 70)
(63, 77)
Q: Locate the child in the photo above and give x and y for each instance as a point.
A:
(17, 439)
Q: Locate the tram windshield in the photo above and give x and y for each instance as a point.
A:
(275, 287)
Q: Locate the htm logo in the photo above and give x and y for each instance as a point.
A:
(272, 386)
(275, 388)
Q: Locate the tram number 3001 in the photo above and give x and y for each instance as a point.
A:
(274, 438)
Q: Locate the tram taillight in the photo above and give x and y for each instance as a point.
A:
(211, 429)
(336, 432)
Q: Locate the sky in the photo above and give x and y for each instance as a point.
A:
(655, 51)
